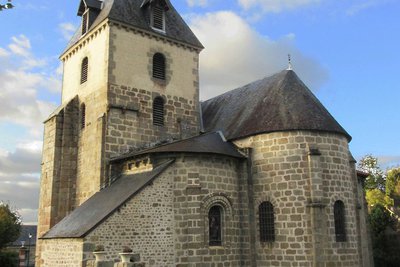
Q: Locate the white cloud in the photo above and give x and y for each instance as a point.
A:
(23, 79)
(275, 5)
(67, 30)
(21, 46)
(4, 53)
(362, 5)
(235, 55)
(193, 3)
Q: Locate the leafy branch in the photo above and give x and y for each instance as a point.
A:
(8, 5)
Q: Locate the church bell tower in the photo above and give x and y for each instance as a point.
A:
(130, 81)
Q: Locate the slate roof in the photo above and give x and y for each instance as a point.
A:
(102, 204)
(213, 143)
(281, 102)
(24, 236)
(130, 12)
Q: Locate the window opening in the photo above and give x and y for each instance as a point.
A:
(215, 225)
(158, 19)
(158, 111)
(85, 22)
(83, 116)
(159, 66)
(267, 222)
(340, 223)
(84, 70)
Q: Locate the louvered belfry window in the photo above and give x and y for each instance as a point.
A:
(267, 222)
(215, 226)
(84, 22)
(340, 222)
(158, 111)
(84, 70)
(159, 66)
(158, 20)
(83, 116)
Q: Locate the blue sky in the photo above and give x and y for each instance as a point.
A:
(346, 51)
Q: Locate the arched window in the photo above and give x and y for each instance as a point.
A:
(158, 111)
(84, 70)
(340, 222)
(267, 222)
(159, 66)
(158, 18)
(83, 116)
(215, 226)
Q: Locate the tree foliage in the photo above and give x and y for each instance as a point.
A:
(7, 5)
(385, 241)
(10, 225)
(376, 178)
(377, 197)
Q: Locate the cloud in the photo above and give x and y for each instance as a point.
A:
(22, 78)
(235, 55)
(388, 162)
(192, 3)
(275, 6)
(360, 6)
(25, 159)
(67, 30)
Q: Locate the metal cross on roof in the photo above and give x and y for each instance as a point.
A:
(290, 67)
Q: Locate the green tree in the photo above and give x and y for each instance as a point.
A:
(7, 5)
(377, 197)
(384, 245)
(376, 178)
(393, 183)
(10, 225)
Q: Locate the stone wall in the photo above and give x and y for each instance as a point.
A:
(167, 222)
(61, 252)
(130, 119)
(202, 181)
(144, 223)
(302, 174)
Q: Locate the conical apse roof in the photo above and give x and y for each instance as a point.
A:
(281, 102)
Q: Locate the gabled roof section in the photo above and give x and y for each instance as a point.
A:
(102, 204)
(210, 143)
(281, 102)
(95, 4)
(131, 13)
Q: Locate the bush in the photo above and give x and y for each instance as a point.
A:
(8, 259)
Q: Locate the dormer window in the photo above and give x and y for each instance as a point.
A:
(85, 22)
(158, 18)
(89, 10)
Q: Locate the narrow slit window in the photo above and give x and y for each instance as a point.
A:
(340, 222)
(84, 22)
(215, 226)
(159, 66)
(158, 111)
(267, 222)
(83, 116)
(84, 70)
(158, 18)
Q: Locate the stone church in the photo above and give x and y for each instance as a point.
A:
(259, 176)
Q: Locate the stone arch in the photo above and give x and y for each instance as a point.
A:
(225, 203)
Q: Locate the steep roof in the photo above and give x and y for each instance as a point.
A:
(102, 204)
(131, 13)
(281, 102)
(212, 143)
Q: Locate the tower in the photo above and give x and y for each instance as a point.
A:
(130, 79)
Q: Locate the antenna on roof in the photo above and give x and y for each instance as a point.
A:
(290, 67)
